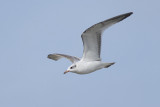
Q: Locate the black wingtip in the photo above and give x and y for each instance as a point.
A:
(49, 56)
(128, 14)
(123, 16)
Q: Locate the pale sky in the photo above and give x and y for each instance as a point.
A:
(32, 29)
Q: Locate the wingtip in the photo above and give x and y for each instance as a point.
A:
(130, 13)
(49, 56)
(123, 16)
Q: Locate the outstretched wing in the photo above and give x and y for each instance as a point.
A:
(92, 37)
(58, 56)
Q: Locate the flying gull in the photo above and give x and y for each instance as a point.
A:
(91, 38)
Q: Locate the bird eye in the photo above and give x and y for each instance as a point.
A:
(72, 67)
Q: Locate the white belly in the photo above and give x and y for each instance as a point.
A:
(88, 67)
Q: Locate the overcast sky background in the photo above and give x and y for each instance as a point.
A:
(32, 29)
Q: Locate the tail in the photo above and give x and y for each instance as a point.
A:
(106, 65)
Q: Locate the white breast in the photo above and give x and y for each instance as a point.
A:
(84, 67)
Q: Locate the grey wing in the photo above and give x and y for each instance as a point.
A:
(92, 37)
(56, 57)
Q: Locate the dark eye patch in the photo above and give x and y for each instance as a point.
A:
(72, 66)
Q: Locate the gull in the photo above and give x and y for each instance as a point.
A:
(91, 38)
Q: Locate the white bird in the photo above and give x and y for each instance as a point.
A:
(91, 38)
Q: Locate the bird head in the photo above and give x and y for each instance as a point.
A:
(71, 68)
